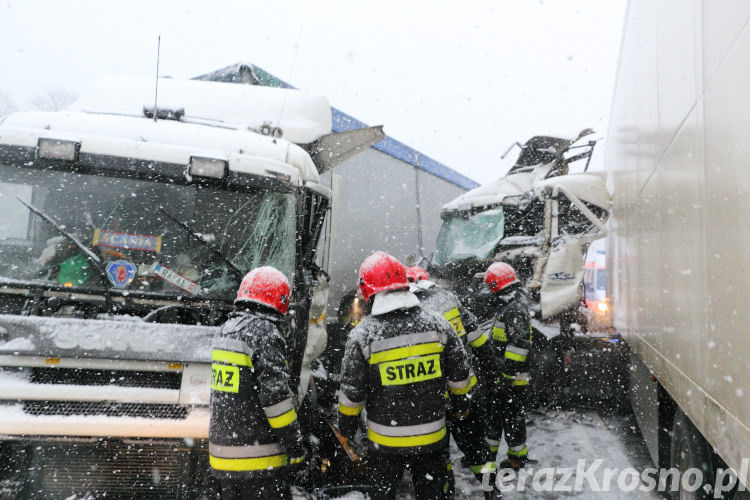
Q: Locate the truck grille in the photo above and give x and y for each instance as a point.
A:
(107, 408)
(124, 378)
(114, 470)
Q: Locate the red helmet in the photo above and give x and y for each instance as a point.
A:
(266, 286)
(500, 275)
(415, 274)
(381, 272)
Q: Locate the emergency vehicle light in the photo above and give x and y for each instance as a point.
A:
(208, 167)
(602, 306)
(57, 149)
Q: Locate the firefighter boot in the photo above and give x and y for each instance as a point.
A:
(518, 456)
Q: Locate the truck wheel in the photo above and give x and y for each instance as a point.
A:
(690, 452)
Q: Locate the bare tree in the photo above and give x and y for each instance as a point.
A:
(52, 99)
(7, 105)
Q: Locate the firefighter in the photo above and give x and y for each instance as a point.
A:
(398, 363)
(468, 433)
(511, 340)
(254, 434)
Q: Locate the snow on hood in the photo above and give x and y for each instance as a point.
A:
(589, 187)
(301, 116)
(513, 185)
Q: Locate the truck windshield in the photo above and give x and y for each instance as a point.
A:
(464, 235)
(141, 248)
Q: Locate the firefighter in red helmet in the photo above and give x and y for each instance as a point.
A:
(511, 341)
(469, 433)
(253, 432)
(398, 364)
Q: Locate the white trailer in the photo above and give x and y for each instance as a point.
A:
(677, 158)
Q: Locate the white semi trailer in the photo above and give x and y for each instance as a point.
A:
(677, 162)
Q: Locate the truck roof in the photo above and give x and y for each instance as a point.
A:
(119, 127)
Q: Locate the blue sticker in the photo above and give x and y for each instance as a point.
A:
(121, 273)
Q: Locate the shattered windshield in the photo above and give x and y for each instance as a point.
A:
(464, 235)
(141, 248)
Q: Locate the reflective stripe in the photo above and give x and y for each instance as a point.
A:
(454, 318)
(514, 356)
(517, 350)
(479, 341)
(406, 352)
(351, 411)
(279, 408)
(405, 341)
(231, 358)
(343, 399)
(519, 379)
(249, 451)
(297, 460)
(406, 430)
(283, 420)
(240, 464)
(520, 382)
(498, 333)
(492, 444)
(518, 451)
(465, 386)
(494, 447)
(229, 344)
(406, 441)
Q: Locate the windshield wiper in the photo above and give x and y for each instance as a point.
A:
(237, 272)
(87, 252)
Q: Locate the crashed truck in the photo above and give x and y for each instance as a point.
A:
(128, 223)
(540, 218)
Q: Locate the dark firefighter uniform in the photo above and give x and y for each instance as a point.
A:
(468, 433)
(398, 366)
(254, 431)
(511, 341)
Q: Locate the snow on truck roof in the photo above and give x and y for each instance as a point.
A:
(110, 120)
(255, 76)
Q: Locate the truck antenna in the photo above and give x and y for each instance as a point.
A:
(156, 90)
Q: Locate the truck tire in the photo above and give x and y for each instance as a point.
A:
(690, 450)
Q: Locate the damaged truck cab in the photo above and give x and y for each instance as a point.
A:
(126, 230)
(538, 217)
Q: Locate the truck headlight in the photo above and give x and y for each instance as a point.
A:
(208, 167)
(57, 149)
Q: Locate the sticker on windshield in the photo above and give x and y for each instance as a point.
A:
(176, 279)
(121, 273)
(112, 239)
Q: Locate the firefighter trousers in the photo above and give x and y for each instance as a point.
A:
(430, 472)
(506, 414)
(263, 488)
(469, 434)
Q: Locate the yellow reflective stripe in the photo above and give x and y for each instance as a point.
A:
(514, 356)
(493, 447)
(231, 357)
(406, 441)
(520, 382)
(283, 420)
(406, 352)
(520, 453)
(351, 411)
(454, 318)
(499, 334)
(479, 341)
(239, 464)
(464, 390)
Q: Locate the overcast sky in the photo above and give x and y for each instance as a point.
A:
(457, 81)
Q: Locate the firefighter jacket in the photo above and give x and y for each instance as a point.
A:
(466, 326)
(512, 337)
(253, 419)
(398, 366)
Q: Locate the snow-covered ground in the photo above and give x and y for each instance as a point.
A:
(558, 439)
